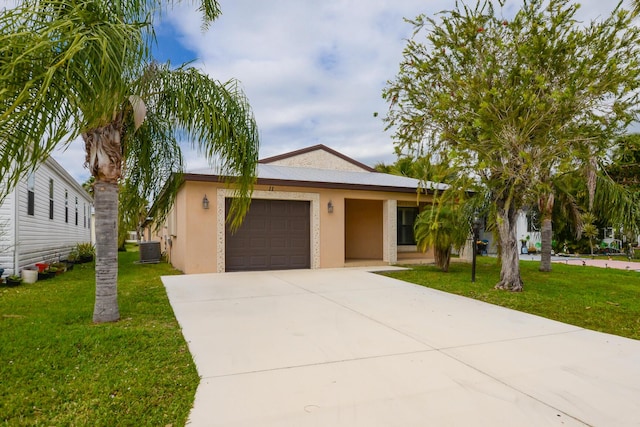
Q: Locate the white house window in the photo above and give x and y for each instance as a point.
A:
(31, 195)
(76, 210)
(66, 206)
(84, 215)
(51, 198)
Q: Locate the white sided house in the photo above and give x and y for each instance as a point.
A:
(43, 218)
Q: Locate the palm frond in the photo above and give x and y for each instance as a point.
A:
(217, 119)
(152, 155)
(63, 68)
(617, 204)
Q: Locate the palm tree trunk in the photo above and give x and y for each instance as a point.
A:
(104, 159)
(545, 250)
(510, 268)
(545, 206)
(106, 209)
(442, 258)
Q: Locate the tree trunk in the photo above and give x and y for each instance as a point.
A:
(442, 258)
(104, 160)
(106, 223)
(545, 251)
(545, 206)
(510, 267)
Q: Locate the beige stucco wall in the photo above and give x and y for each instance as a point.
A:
(363, 234)
(191, 230)
(318, 159)
(332, 229)
(197, 242)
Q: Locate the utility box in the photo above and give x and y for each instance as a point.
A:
(149, 252)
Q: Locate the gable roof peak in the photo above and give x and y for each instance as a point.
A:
(308, 157)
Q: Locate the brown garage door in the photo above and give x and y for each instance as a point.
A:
(273, 236)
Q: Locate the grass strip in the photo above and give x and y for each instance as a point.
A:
(59, 369)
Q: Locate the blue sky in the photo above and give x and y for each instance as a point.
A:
(170, 46)
(313, 71)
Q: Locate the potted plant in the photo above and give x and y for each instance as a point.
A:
(86, 252)
(59, 266)
(41, 266)
(14, 280)
(73, 256)
(30, 275)
(51, 272)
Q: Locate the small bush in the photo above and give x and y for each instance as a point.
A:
(85, 252)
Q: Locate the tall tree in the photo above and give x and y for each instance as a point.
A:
(624, 164)
(72, 68)
(513, 102)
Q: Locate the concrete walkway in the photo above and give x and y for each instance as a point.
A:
(617, 262)
(348, 348)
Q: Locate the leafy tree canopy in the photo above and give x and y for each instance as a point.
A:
(512, 101)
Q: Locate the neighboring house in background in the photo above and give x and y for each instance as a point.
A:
(43, 218)
(525, 226)
(311, 208)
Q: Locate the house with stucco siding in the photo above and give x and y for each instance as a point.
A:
(311, 208)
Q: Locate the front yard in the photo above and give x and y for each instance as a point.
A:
(58, 368)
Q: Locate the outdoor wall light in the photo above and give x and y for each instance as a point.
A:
(205, 202)
(330, 207)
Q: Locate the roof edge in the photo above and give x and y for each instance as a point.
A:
(312, 184)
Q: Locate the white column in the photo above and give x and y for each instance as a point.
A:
(390, 231)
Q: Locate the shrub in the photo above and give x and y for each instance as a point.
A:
(86, 252)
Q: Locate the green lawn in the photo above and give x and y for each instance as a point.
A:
(601, 299)
(59, 369)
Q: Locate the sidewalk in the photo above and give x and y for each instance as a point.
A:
(621, 263)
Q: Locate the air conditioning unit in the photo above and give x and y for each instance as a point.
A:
(149, 252)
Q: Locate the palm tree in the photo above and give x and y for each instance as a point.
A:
(589, 230)
(74, 68)
(442, 228)
(444, 225)
(577, 199)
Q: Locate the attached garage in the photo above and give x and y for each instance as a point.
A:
(275, 235)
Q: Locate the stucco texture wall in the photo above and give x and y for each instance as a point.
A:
(354, 229)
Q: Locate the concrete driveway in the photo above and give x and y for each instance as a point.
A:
(345, 347)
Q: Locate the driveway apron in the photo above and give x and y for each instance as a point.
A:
(347, 347)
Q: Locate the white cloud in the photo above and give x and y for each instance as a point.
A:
(314, 71)
(72, 157)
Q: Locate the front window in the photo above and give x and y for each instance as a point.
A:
(51, 199)
(31, 193)
(406, 220)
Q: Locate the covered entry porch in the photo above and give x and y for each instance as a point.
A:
(380, 232)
